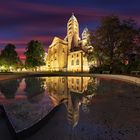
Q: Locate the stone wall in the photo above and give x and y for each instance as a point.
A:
(135, 80)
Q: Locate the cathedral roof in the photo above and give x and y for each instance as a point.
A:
(57, 40)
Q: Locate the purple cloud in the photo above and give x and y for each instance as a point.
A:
(22, 21)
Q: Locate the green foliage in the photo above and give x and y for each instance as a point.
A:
(113, 41)
(105, 38)
(35, 54)
(9, 57)
(99, 69)
(135, 66)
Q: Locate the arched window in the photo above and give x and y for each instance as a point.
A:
(72, 62)
(77, 81)
(72, 80)
(77, 62)
(63, 50)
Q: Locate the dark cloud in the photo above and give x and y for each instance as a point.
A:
(23, 20)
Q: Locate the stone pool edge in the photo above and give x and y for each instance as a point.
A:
(31, 130)
(126, 78)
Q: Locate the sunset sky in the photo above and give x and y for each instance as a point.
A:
(24, 20)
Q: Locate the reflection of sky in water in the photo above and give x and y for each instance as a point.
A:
(18, 88)
(90, 104)
(22, 96)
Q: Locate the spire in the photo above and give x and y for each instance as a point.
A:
(73, 16)
(72, 31)
(85, 33)
(86, 28)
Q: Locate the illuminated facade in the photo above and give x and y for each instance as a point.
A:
(69, 54)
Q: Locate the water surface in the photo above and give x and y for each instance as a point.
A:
(91, 108)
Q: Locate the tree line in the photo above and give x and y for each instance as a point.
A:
(116, 45)
(34, 53)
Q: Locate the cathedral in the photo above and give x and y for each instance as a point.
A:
(70, 53)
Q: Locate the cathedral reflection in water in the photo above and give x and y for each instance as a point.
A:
(73, 92)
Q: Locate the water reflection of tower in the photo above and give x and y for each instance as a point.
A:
(76, 85)
(73, 105)
(73, 92)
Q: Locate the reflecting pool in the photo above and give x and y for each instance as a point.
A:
(90, 108)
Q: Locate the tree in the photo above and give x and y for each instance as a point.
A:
(113, 41)
(35, 54)
(9, 57)
(105, 39)
(126, 43)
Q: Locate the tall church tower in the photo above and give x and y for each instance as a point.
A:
(72, 32)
